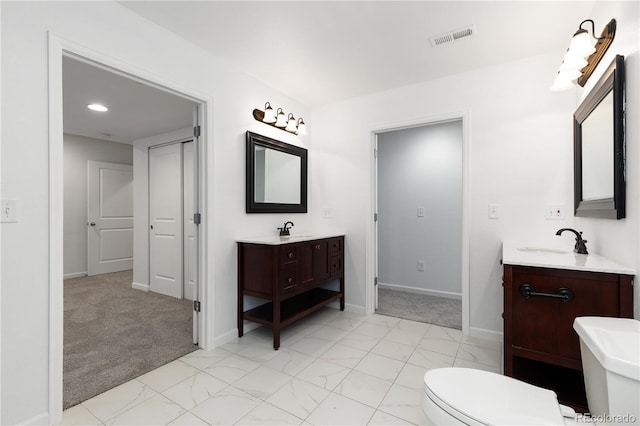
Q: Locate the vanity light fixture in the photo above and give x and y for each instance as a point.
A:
(279, 120)
(582, 57)
(97, 107)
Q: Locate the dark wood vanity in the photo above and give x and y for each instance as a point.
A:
(293, 275)
(540, 304)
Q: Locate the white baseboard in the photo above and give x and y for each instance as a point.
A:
(482, 333)
(141, 287)
(356, 309)
(74, 275)
(40, 419)
(437, 293)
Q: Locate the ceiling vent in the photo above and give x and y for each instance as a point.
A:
(451, 36)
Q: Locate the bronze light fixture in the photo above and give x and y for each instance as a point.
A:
(279, 120)
(582, 57)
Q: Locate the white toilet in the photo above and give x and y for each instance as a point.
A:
(610, 349)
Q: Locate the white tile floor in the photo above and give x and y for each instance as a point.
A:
(332, 368)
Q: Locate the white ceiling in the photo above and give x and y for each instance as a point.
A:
(318, 52)
(136, 110)
(321, 51)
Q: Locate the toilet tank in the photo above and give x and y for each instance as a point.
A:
(610, 349)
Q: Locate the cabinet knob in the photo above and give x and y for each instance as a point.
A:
(290, 255)
(290, 280)
(317, 246)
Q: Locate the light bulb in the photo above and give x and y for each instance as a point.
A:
(291, 124)
(281, 120)
(269, 115)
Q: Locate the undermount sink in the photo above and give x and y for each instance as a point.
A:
(542, 250)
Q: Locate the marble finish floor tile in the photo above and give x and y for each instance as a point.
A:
(335, 368)
(364, 388)
(298, 397)
(157, 410)
(226, 407)
(267, 414)
(338, 410)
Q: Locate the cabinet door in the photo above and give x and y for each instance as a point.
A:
(313, 262)
(321, 267)
(546, 324)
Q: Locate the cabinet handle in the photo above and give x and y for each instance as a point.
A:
(563, 293)
(290, 255)
(290, 280)
(317, 246)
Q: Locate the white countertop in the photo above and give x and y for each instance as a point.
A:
(293, 238)
(558, 256)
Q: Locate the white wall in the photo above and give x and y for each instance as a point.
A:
(77, 151)
(520, 151)
(619, 239)
(520, 140)
(421, 166)
(114, 32)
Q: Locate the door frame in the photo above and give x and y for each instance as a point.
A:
(371, 261)
(58, 47)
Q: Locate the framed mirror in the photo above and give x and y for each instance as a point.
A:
(599, 147)
(276, 176)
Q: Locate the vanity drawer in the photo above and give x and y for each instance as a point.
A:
(335, 266)
(288, 277)
(288, 253)
(335, 246)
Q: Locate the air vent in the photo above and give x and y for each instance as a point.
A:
(451, 36)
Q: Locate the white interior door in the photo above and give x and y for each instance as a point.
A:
(165, 220)
(110, 217)
(189, 244)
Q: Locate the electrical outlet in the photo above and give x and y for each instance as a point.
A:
(494, 211)
(420, 211)
(8, 210)
(554, 211)
(421, 265)
(327, 212)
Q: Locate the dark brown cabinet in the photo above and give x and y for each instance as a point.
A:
(290, 277)
(540, 304)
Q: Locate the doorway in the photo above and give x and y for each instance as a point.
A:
(419, 204)
(140, 112)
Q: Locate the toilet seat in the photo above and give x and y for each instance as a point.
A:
(477, 397)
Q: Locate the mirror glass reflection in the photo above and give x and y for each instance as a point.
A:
(597, 148)
(277, 176)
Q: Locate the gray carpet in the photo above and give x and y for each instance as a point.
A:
(113, 333)
(420, 307)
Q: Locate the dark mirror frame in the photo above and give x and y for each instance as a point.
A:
(610, 208)
(253, 140)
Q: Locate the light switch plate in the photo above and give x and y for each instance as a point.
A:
(8, 210)
(420, 211)
(494, 211)
(554, 211)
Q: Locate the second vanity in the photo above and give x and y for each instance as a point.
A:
(293, 273)
(545, 289)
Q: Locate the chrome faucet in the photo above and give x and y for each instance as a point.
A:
(284, 231)
(581, 245)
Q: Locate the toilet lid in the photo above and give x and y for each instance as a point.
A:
(480, 397)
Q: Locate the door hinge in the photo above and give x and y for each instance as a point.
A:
(375, 217)
(196, 305)
(196, 218)
(196, 131)
(375, 281)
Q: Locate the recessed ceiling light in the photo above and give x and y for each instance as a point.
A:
(97, 107)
